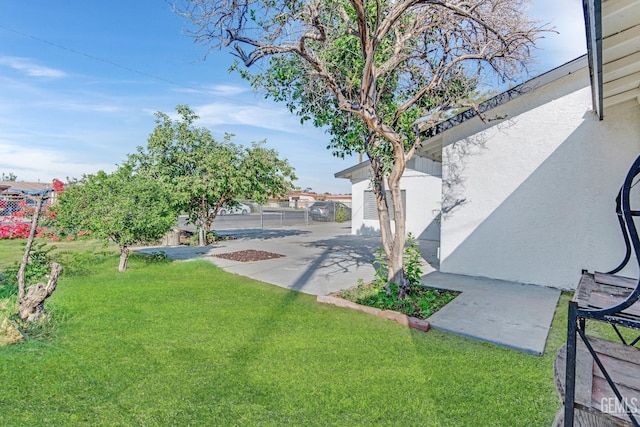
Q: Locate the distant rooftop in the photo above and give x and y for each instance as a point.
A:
(22, 186)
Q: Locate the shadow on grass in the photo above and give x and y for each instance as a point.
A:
(339, 254)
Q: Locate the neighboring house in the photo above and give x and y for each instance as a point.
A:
(18, 187)
(529, 196)
(342, 198)
(13, 192)
(304, 199)
(300, 199)
(421, 187)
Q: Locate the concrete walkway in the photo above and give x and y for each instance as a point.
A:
(505, 313)
(320, 259)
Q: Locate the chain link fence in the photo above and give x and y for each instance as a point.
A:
(17, 205)
(274, 215)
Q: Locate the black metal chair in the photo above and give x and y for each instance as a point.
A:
(608, 298)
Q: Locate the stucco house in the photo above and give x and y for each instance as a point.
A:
(528, 194)
(420, 186)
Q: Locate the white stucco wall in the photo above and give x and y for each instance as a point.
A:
(532, 197)
(423, 185)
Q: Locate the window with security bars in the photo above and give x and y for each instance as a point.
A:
(370, 209)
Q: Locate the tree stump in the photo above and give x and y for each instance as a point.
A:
(31, 306)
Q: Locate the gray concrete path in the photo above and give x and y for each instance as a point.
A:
(320, 259)
(505, 313)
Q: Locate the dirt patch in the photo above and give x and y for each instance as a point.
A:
(249, 255)
(8, 333)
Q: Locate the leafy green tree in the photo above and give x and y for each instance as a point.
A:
(370, 71)
(123, 207)
(9, 177)
(206, 174)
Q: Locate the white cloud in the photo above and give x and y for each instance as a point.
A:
(222, 91)
(87, 107)
(227, 90)
(43, 165)
(30, 68)
(217, 114)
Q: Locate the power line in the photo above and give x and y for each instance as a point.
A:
(124, 67)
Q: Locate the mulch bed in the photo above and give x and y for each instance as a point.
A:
(249, 255)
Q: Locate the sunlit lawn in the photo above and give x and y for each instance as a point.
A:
(186, 343)
(11, 251)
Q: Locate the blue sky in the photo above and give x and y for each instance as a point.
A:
(81, 79)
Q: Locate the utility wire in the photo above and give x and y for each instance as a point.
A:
(124, 67)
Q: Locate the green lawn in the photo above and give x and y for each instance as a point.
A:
(186, 343)
(11, 251)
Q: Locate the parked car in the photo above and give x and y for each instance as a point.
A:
(240, 209)
(330, 211)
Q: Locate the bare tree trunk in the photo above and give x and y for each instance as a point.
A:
(27, 251)
(201, 235)
(31, 305)
(208, 223)
(396, 263)
(392, 241)
(124, 258)
(202, 232)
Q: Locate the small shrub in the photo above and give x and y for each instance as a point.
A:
(153, 257)
(412, 263)
(341, 214)
(421, 301)
(380, 265)
(211, 237)
(158, 256)
(37, 267)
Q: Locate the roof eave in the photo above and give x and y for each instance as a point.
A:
(347, 173)
(508, 95)
(593, 29)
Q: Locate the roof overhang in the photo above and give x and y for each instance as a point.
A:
(613, 46)
(431, 146)
(348, 173)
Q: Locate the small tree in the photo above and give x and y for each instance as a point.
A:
(31, 296)
(369, 70)
(206, 174)
(122, 206)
